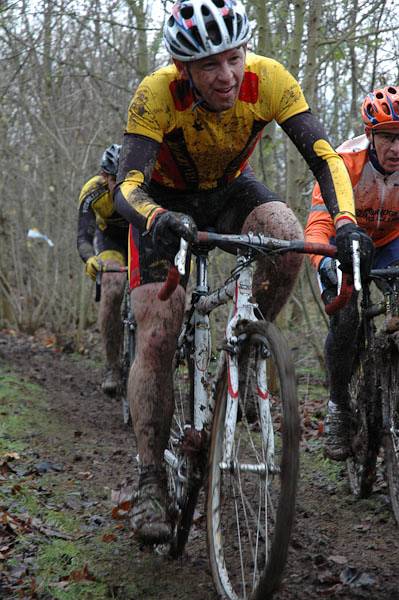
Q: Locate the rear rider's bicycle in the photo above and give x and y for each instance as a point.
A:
(374, 389)
(235, 428)
(128, 339)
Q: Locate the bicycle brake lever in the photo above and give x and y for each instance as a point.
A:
(357, 282)
(180, 258)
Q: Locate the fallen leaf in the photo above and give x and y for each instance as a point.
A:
(339, 560)
(10, 455)
(80, 575)
(85, 475)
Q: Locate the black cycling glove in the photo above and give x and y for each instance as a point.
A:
(343, 239)
(168, 228)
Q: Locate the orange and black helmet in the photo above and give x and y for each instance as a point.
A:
(380, 108)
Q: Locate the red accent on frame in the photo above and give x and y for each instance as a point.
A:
(262, 395)
(229, 387)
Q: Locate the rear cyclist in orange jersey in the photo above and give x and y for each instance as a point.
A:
(372, 161)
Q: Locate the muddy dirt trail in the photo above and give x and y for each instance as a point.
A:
(62, 467)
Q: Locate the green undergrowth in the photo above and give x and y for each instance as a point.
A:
(51, 549)
(315, 467)
(49, 545)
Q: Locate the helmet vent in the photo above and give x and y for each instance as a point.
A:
(187, 12)
(214, 33)
(184, 41)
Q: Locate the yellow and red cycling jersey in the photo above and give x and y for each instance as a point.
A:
(376, 200)
(199, 149)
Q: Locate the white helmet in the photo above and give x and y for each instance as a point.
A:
(200, 28)
(110, 159)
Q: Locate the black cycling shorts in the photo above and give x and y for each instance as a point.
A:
(223, 210)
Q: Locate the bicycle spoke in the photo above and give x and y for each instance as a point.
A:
(184, 459)
(245, 536)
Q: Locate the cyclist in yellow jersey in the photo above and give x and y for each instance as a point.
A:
(103, 240)
(191, 129)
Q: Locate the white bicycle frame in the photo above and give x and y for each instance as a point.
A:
(239, 290)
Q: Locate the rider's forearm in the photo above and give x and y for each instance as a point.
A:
(127, 210)
(320, 226)
(309, 136)
(86, 229)
(138, 157)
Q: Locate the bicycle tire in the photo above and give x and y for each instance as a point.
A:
(390, 407)
(248, 563)
(364, 427)
(187, 447)
(128, 353)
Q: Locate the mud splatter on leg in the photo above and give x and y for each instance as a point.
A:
(108, 318)
(275, 278)
(150, 381)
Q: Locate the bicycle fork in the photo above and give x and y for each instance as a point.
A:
(243, 311)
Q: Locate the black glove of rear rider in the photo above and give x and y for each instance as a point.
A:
(343, 240)
(168, 228)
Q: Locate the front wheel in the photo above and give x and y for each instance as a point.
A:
(390, 395)
(251, 493)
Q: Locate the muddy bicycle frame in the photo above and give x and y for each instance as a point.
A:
(238, 290)
(214, 420)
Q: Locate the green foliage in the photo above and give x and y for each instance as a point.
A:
(328, 471)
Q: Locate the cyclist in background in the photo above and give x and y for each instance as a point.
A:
(372, 161)
(191, 129)
(103, 240)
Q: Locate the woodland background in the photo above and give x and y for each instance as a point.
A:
(68, 71)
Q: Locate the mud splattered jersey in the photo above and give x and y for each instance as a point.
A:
(197, 149)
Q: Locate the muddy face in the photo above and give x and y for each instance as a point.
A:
(218, 78)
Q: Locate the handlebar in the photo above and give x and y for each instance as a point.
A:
(255, 241)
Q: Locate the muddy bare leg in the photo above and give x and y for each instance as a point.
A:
(274, 279)
(112, 286)
(150, 380)
(151, 399)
